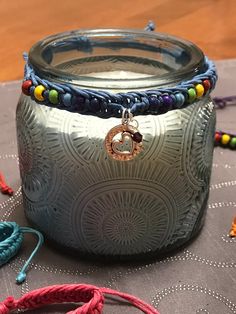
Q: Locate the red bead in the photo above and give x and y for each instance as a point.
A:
(137, 137)
(26, 86)
(218, 137)
(207, 85)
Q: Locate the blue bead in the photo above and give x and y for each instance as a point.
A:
(46, 94)
(78, 103)
(154, 103)
(66, 99)
(95, 105)
(180, 99)
(31, 90)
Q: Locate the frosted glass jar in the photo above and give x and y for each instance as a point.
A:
(73, 191)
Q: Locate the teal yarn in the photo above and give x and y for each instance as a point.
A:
(11, 238)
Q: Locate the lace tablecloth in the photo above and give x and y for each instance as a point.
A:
(198, 279)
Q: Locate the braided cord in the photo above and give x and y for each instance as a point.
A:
(91, 296)
(11, 238)
(107, 104)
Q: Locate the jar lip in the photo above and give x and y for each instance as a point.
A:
(193, 67)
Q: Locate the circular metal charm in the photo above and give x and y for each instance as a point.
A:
(127, 134)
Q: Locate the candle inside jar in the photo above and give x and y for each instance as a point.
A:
(118, 75)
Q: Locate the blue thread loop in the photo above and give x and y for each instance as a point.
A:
(11, 238)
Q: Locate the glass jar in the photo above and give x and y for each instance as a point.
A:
(73, 191)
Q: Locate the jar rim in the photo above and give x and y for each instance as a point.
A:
(194, 66)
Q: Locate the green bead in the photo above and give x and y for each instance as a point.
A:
(53, 96)
(232, 143)
(191, 94)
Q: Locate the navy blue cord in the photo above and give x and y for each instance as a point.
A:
(11, 238)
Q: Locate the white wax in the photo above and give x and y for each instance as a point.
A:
(118, 75)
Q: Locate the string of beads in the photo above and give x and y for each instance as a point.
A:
(106, 104)
(92, 297)
(224, 139)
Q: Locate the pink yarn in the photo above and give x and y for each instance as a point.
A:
(91, 296)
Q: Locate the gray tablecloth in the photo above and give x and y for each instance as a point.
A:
(198, 279)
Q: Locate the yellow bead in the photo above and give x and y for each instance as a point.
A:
(200, 90)
(225, 139)
(38, 92)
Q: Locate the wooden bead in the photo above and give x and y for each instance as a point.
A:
(199, 90)
(191, 95)
(225, 139)
(38, 92)
(233, 142)
(179, 100)
(218, 137)
(26, 87)
(53, 97)
(207, 85)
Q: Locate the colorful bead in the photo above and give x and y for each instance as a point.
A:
(38, 92)
(199, 90)
(218, 136)
(95, 105)
(180, 99)
(168, 101)
(137, 137)
(66, 99)
(191, 95)
(78, 103)
(232, 143)
(26, 87)
(31, 90)
(53, 97)
(207, 85)
(225, 139)
(154, 103)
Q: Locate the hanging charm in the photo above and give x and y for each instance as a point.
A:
(124, 142)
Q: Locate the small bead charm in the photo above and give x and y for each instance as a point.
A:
(225, 139)
(26, 87)
(53, 97)
(199, 90)
(137, 137)
(38, 92)
(207, 85)
(129, 142)
(191, 95)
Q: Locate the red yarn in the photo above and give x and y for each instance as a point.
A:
(5, 189)
(91, 296)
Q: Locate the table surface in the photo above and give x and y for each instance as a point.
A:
(201, 278)
(208, 23)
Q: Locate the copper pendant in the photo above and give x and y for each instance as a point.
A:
(124, 142)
